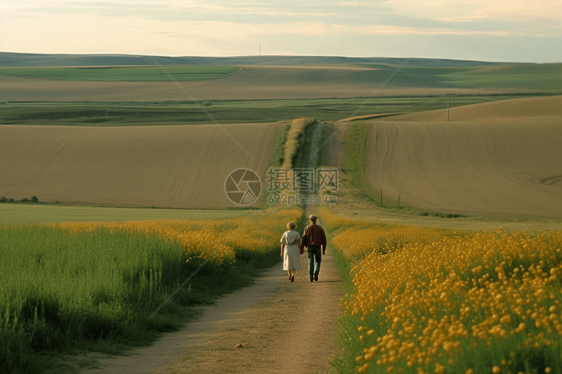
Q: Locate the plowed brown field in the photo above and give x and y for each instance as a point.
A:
(497, 159)
(165, 166)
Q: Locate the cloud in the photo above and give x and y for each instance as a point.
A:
(171, 7)
(396, 30)
(461, 19)
(225, 28)
(464, 11)
(91, 33)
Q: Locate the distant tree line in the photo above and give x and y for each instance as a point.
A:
(33, 199)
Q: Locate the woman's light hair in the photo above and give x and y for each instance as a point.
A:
(291, 225)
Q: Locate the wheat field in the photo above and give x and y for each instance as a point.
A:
(167, 166)
(499, 159)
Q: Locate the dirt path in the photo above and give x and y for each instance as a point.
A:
(283, 328)
(274, 326)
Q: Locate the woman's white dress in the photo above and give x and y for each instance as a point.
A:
(291, 257)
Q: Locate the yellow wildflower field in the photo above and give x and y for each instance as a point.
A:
(424, 300)
(216, 239)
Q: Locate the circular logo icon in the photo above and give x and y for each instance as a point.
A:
(242, 186)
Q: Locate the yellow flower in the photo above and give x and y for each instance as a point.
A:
(436, 293)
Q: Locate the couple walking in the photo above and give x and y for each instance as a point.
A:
(313, 238)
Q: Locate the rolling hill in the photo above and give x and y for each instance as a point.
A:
(250, 82)
(37, 59)
(166, 166)
(500, 159)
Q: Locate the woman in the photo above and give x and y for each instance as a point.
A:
(290, 250)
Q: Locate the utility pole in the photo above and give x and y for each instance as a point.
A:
(448, 105)
(260, 49)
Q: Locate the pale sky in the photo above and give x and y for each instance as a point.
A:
(491, 30)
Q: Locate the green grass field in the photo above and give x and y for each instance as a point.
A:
(60, 292)
(39, 213)
(536, 77)
(76, 287)
(547, 77)
(122, 74)
(242, 111)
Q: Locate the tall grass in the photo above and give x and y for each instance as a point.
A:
(94, 285)
(295, 138)
(278, 154)
(437, 301)
(317, 136)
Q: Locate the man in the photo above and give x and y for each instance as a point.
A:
(313, 238)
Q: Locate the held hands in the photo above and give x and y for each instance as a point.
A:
(301, 249)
